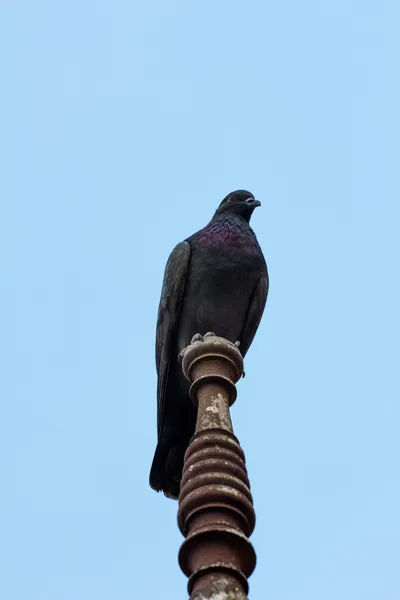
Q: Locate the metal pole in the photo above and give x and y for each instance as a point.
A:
(216, 512)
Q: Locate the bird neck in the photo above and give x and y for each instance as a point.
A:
(227, 230)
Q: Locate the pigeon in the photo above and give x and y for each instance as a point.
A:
(215, 281)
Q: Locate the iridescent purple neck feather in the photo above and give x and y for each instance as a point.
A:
(227, 230)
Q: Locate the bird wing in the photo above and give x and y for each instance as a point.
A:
(255, 312)
(168, 319)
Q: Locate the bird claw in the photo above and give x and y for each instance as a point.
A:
(197, 338)
(200, 338)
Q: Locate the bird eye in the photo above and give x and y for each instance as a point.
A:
(231, 198)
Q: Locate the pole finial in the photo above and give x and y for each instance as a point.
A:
(215, 504)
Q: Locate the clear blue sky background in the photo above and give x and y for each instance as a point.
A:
(123, 124)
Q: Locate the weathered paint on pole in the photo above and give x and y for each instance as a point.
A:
(216, 512)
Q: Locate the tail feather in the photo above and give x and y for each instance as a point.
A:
(166, 469)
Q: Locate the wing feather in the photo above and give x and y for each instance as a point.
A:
(255, 312)
(168, 319)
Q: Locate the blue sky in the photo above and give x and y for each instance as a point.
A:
(122, 126)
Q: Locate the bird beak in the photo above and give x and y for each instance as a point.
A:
(253, 202)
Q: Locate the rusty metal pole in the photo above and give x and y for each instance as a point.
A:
(216, 512)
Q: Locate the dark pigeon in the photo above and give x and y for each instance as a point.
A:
(216, 280)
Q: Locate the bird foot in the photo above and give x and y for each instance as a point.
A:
(200, 338)
(197, 338)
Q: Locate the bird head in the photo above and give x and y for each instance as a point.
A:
(240, 203)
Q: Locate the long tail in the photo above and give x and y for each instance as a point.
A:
(166, 469)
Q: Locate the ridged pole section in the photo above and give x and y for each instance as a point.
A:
(216, 512)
